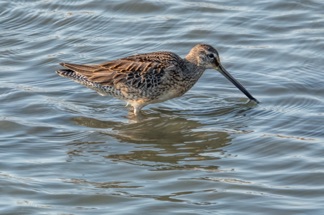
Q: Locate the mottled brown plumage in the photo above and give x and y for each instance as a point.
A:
(148, 78)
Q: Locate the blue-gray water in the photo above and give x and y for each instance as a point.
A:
(66, 150)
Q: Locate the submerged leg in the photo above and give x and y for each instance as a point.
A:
(137, 111)
(137, 108)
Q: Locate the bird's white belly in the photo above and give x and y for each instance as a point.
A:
(170, 94)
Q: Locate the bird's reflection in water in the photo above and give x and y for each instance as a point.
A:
(161, 140)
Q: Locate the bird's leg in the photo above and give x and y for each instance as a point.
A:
(137, 108)
(137, 111)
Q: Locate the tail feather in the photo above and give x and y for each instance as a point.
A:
(68, 73)
(85, 70)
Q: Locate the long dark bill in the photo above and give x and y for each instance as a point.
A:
(236, 83)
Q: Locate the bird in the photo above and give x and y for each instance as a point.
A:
(148, 78)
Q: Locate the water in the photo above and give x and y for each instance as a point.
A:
(66, 150)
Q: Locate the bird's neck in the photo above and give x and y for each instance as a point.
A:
(191, 74)
(191, 57)
(193, 70)
(192, 64)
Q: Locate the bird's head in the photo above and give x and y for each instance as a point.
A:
(207, 57)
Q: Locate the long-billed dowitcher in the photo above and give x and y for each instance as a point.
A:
(149, 78)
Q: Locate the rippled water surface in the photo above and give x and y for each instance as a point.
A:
(67, 150)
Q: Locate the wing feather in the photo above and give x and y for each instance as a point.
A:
(134, 71)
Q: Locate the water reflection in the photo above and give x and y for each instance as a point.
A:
(160, 141)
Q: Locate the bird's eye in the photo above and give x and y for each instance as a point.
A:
(210, 55)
